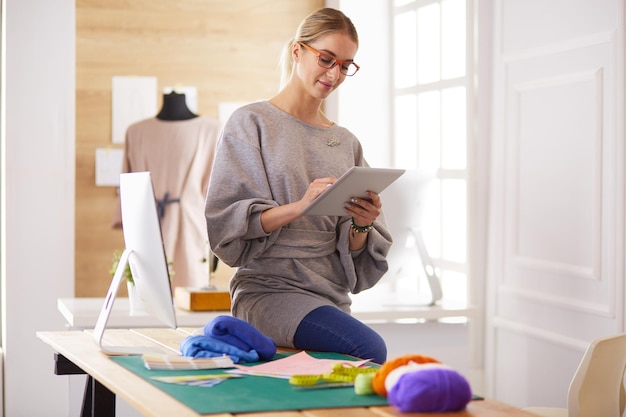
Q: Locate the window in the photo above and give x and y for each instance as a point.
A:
(424, 49)
(431, 88)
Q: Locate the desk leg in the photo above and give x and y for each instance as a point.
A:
(98, 400)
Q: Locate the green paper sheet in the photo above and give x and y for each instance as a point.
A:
(251, 393)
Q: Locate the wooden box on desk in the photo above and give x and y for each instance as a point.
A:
(197, 299)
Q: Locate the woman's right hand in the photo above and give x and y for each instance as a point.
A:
(316, 188)
(276, 217)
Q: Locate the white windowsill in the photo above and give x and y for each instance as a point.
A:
(82, 313)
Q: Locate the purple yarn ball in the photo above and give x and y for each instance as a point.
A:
(433, 390)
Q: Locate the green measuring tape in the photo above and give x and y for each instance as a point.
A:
(341, 373)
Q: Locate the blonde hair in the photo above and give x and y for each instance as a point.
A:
(316, 25)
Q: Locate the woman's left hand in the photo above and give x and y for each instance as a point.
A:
(364, 210)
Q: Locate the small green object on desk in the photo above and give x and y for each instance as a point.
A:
(363, 384)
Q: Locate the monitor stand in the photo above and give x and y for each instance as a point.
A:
(436, 293)
(103, 318)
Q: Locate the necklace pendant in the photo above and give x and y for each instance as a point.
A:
(332, 142)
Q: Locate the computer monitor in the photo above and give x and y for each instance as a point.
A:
(403, 204)
(145, 254)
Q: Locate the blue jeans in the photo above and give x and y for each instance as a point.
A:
(328, 329)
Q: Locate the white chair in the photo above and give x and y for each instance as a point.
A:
(597, 389)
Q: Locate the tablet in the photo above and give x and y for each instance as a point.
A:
(356, 182)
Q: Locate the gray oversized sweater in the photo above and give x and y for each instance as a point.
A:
(267, 158)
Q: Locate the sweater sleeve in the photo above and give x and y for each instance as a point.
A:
(237, 195)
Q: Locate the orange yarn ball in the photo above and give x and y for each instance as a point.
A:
(378, 383)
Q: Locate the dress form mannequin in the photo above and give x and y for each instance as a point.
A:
(177, 147)
(175, 108)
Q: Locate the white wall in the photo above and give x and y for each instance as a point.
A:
(38, 205)
(556, 273)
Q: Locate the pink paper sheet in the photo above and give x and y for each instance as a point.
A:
(300, 363)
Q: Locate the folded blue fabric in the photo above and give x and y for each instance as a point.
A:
(207, 347)
(240, 334)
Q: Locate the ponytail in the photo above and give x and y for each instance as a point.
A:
(286, 63)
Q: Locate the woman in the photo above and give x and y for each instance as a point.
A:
(295, 272)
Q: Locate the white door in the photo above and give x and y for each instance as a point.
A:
(556, 253)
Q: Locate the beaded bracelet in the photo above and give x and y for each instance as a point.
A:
(361, 229)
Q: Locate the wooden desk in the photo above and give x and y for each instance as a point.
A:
(108, 379)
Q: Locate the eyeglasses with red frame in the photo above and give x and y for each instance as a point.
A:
(328, 61)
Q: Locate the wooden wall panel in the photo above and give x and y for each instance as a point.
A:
(228, 49)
